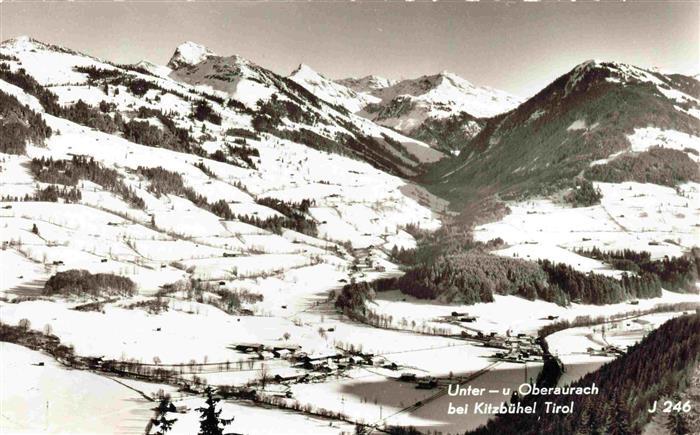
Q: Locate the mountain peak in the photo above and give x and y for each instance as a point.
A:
(453, 79)
(20, 38)
(189, 53)
(450, 75)
(159, 70)
(330, 91)
(611, 65)
(610, 71)
(26, 44)
(22, 43)
(305, 71)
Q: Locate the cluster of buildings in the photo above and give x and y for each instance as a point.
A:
(422, 383)
(334, 362)
(322, 362)
(519, 349)
(609, 350)
(265, 352)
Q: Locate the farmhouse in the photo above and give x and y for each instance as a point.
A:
(407, 377)
(427, 384)
(248, 347)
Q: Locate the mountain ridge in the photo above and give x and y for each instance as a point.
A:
(236, 85)
(442, 109)
(552, 138)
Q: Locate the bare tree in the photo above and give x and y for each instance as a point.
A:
(263, 375)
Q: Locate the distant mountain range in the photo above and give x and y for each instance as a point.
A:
(602, 120)
(443, 110)
(314, 113)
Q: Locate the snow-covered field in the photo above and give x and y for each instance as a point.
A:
(49, 398)
(641, 217)
(38, 395)
(571, 345)
(506, 313)
(257, 420)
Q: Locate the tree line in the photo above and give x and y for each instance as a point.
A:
(48, 194)
(69, 172)
(82, 283)
(674, 273)
(475, 276)
(19, 125)
(99, 118)
(167, 182)
(593, 288)
(657, 165)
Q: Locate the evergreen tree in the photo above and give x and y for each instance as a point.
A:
(210, 422)
(361, 429)
(162, 423)
(676, 423)
(583, 423)
(593, 423)
(620, 424)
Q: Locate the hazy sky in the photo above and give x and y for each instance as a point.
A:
(518, 47)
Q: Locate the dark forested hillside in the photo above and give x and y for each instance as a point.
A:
(474, 277)
(69, 172)
(545, 143)
(658, 165)
(19, 126)
(675, 274)
(450, 134)
(450, 266)
(600, 289)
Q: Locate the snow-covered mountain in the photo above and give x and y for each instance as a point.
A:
(601, 120)
(445, 94)
(443, 110)
(292, 176)
(189, 53)
(331, 91)
(245, 92)
(285, 106)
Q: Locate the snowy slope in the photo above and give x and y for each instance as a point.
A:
(171, 238)
(331, 91)
(36, 57)
(67, 397)
(233, 85)
(325, 114)
(158, 70)
(446, 93)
